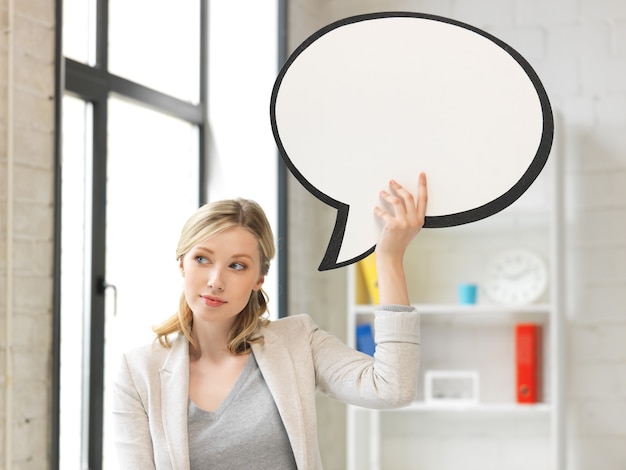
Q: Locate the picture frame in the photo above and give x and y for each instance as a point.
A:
(451, 387)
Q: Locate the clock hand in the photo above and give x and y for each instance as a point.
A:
(518, 274)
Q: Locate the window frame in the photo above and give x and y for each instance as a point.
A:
(95, 84)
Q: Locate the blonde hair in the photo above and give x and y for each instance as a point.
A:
(207, 221)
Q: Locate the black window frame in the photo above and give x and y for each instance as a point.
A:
(95, 84)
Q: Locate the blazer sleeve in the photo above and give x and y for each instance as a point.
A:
(387, 380)
(130, 423)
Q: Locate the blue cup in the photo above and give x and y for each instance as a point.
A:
(467, 293)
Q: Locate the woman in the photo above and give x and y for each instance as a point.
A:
(223, 387)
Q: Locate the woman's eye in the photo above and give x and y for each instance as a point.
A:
(201, 260)
(238, 266)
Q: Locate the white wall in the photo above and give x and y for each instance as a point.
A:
(243, 64)
(578, 48)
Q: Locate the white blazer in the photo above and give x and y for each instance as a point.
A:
(151, 392)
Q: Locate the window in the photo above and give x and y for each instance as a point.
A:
(132, 124)
(132, 145)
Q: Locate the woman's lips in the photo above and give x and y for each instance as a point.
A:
(212, 301)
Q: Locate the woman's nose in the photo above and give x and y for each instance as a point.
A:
(215, 279)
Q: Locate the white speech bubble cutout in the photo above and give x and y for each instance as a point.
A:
(388, 95)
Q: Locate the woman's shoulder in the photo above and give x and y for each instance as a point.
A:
(301, 320)
(154, 352)
(291, 326)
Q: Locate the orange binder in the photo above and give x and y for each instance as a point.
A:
(528, 362)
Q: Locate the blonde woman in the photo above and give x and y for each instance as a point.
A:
(222, 387)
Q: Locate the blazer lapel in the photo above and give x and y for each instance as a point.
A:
(174, 376)
(277, 367)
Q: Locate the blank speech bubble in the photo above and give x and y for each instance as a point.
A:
(388, 95)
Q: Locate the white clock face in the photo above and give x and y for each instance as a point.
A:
(516, 277)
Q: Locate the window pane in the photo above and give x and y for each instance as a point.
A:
(75, 259)
(79, 31)
(152, 188)
(157, 43)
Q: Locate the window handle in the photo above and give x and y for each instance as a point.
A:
(103, 287)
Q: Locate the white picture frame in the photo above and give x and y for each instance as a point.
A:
(451, 387)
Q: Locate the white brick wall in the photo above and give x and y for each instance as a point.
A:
(32, 201)
(578, 49)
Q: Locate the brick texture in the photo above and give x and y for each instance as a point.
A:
(32, 202)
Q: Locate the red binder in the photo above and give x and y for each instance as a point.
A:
(528, 362)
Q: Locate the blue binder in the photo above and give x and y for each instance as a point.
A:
(365, 339)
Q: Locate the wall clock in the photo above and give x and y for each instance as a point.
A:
(516, 277)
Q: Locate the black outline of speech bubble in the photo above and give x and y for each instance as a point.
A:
(501, 202)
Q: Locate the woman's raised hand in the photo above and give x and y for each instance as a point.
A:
(403, 217)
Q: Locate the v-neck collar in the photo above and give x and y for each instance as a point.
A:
(232, 395)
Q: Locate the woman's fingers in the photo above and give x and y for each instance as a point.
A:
(403, 205)
(422, 198)
(402, 214)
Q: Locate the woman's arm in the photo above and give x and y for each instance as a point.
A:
(130, 419)
(403, 217)
(387, 380)
(390, 378)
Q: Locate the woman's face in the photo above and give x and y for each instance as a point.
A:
(220, 273)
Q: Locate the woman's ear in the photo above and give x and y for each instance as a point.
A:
(259, 283)
(180, 265)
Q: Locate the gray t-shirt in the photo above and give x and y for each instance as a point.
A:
(245, 431)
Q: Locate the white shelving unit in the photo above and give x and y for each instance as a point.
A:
(479, 337)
